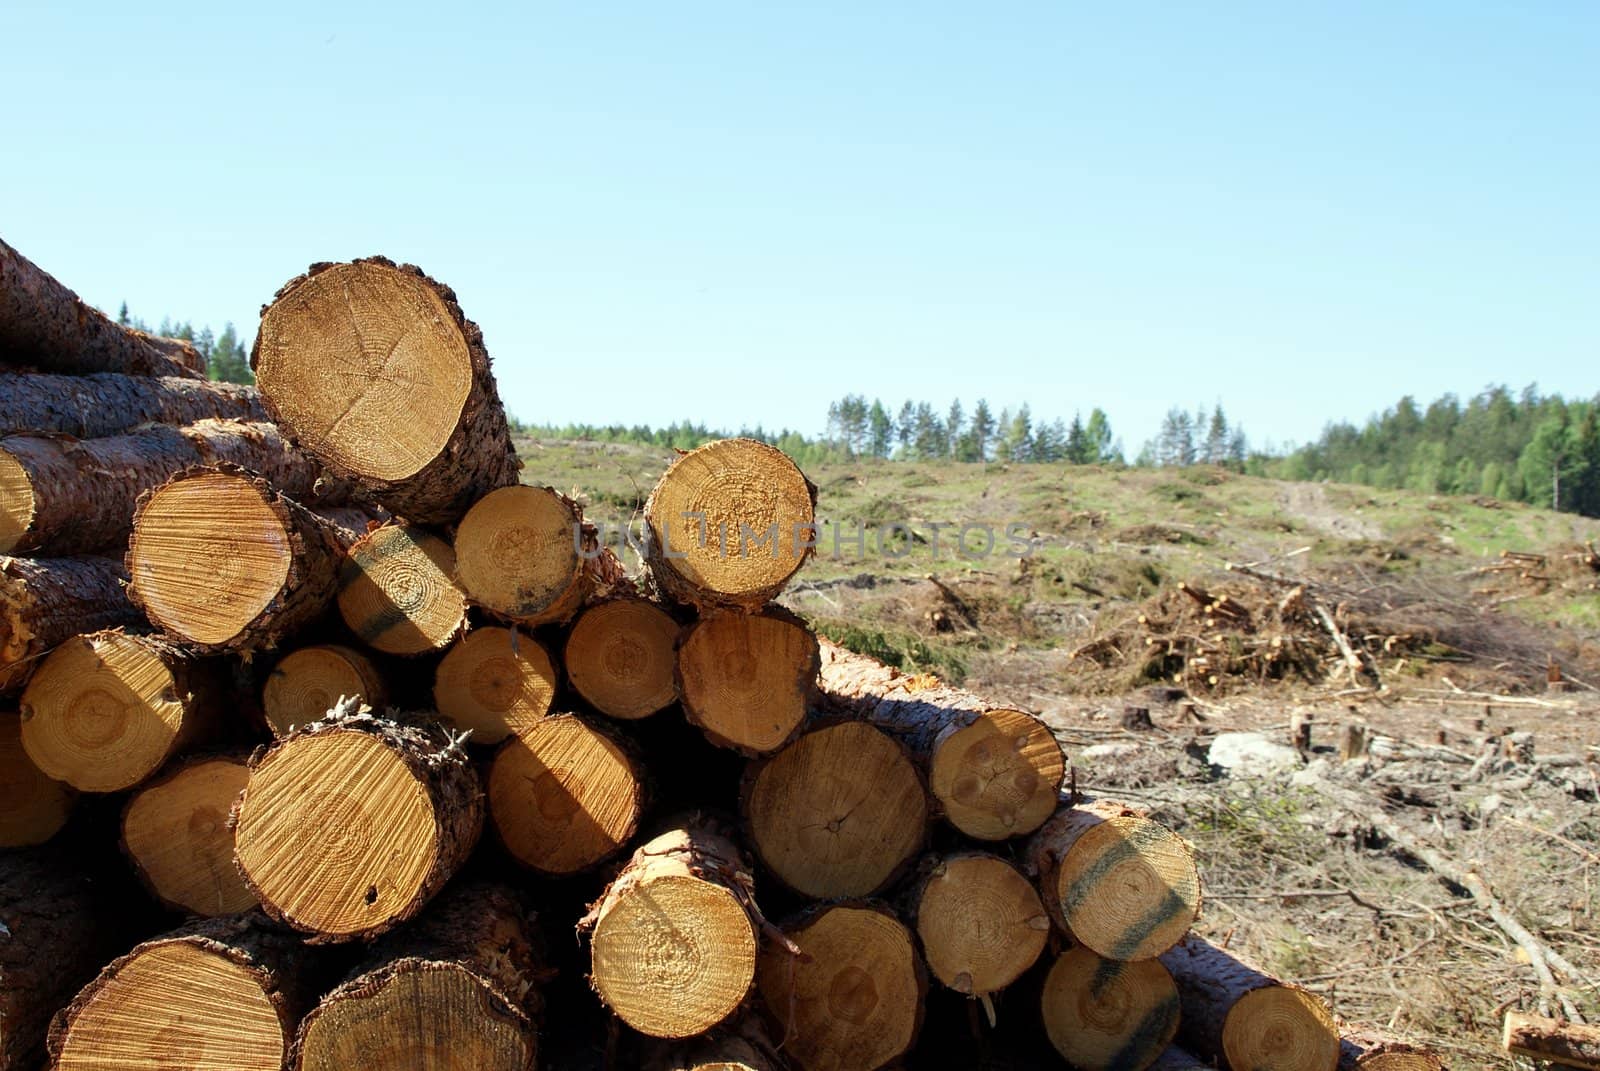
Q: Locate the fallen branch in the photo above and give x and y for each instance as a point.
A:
(1553, 1040)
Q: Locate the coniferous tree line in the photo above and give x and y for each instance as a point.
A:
(1534, 448)
(227, 357)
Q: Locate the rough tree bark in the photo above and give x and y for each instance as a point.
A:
(33, 808)
(44, 325)
(45, 601)
(372, 367)
(996, 772)
(108, 403)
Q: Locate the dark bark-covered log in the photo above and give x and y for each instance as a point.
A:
(223, 562)
(673, 940)
(979, 920)
(456, 991)
(44, 601)
(108, 403)
(181, 350)
(1115, 881)
(33, 807)
(1363, 1050)
(748, 680)
(1555, 1041)
(1234, 1013)
(742, 1046)
(106, 710)
(565, 795)
(220, 993)
(620, 657)
(839, 812)
(851, 997)
(525, 555)
(1177, 1058)
(1105, 1015)
(175, 832)
(398, 591)
(307, 683)
(493, 683)
(61, 496)
(729, 524)
(372, 367)
(350, 825)
(58, 926)
(44, 325)
(995, 771)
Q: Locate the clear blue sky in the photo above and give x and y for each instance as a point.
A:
(733, 213)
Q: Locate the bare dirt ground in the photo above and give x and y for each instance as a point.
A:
(1355, 878)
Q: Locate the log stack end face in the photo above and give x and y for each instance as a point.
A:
(998, 777)
(16, 501)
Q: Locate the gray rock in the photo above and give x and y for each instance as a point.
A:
(1253, 753)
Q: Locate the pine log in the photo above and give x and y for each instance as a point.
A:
(458, 990)
(1555, 1041)
(107, 403)
(398, 591)
(525, 555)
(979, 920)
(176, 834)
(674, 939)
(63, 496)
(47, 326)
(494, 682)
(748, 680)
(1115, 881)
(220, 993)
(620, 657)
(372, 367)
(350, 825)
(181, 350)
(851, 998)
(106, 710)
(729, 524)
(1234, 1013)
(33, 808)
(564, 795)
(1362, 1050)
(1105, 1015)
(743, 1046)
(57, 928)
(995, 772)
(307, 683)
(840, 812)
(45, 601)
(223, 562)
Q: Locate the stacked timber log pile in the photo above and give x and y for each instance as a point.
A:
(380, 730)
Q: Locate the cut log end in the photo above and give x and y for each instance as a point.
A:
(1119, 883)
(563, 795)
(495, 682)
(853, 998)
(305, 685)
(748, 679)
(620, 658)
(175, 1004)
(102, 712)
(1102, 1015)
(998, 777)
(837, 813)
(338, 833)
(440, 1016)
(16, 501)
(33, 807)
(980, 921)
(176, 832)
(673, 949)
(729, 524)
(517, 550)
(368, 365)
(398, 593)
(1281, 1026)
(209, 555)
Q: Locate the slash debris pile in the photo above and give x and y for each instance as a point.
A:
(380, 730)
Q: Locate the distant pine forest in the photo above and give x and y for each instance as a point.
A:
(1515, 447)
